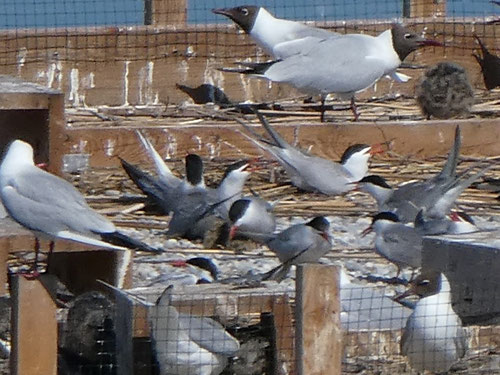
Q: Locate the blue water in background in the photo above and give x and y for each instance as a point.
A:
(62, 13)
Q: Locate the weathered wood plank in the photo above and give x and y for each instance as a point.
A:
(285, 334)
(80, 270)
(318, 331)
(427, 8)
(141, 65)
(34, 330)
(213, 140)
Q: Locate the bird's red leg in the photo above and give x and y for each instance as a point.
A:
(354, 109)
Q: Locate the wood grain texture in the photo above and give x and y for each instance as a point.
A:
(140, 65)
(285, 335)
(34, 329)
(318, 331)
(210, 139)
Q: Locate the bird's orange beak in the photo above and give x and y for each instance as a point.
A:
(377, 149)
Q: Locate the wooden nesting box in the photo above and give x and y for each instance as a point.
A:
(472, 265)
(33, 113)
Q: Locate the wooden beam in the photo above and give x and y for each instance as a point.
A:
(318, 331)
(34, 329)
(168, 12)
(210, 139)
(79, 270)
(285, 335)
(140, 65)
(427, 8)
(124, 319)
(56, 132)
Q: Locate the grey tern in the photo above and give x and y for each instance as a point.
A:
(312, 173)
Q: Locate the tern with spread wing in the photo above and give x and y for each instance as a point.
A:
(312, 173)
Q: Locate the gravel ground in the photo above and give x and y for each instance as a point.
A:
(348, 217)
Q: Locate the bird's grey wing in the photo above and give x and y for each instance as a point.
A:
(190, 208)
(329, 65)
(47, 203)
(301, 31)
(302, 45)
(448, 171)
(209, 334)
(164, 172)
(406, 244)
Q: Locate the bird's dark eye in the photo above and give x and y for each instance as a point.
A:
(407, 36)
(244, 11)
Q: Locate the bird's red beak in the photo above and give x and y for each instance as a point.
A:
(367, 231)
(377, 149)
(43, 166)
(232, 231)
(177, 263)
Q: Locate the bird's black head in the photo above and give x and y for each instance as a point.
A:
(375, 180)
(390, 216)
(194, 169)
(405, 42)
(238, 209)
(244, 16)
(206, 264)
(242, 164)
(351, 150)
(319, 223)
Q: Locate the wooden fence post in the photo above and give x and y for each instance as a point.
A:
(318, 331)
(425, 8)
(165, 12)
(34, 329)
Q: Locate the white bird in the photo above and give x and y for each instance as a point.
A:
(269, 32)
(461, 223)
(167, 189)
(188, 344)
(312, 173)
(251, 215)
(52, 207)
(434, 338)
(436, 195)
(437, 198)
(343, 65)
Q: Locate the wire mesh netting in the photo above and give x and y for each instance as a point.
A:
(95, 31)
(201, 331)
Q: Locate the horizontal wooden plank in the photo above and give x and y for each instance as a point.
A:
(141, 65)
(420, 139)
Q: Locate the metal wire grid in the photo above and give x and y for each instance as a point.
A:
(190, 334)
(373, 334)
(87, 344)
(86, 31)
